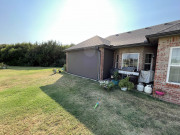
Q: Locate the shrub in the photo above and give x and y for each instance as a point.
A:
(106, 85)
(126, 83)
(3, 66)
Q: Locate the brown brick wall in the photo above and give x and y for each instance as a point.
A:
(142, 50)
(172, 90)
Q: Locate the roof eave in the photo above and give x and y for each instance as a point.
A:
(132, 45)
(164, 34)
(89, 47)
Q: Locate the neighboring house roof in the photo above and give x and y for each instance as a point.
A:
(128, 38)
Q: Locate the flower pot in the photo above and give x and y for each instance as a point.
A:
(124, 88)
(160, 93)
(115, 82)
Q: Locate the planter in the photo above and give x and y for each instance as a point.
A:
(115, 82)
(160, 93)
(124, 88)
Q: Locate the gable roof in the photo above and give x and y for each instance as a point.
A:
(94, 41)
(128, 38)
(138, 36)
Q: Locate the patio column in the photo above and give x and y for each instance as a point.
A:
(66, 62)
(101, 63)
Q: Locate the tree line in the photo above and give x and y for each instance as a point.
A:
(50, 53)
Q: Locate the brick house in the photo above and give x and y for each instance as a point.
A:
(155, 48)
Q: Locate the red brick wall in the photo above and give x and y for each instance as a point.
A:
(142, 50)
(172, 90)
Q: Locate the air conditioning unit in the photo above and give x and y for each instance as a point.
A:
(146, 76)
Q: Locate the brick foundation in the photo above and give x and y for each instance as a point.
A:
(172, 91)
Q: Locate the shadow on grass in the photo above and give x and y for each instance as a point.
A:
(118, 112)
(150, 97)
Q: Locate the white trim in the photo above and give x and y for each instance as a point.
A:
(131, 53)
(152, 60)
(116, 62)
(169, 64)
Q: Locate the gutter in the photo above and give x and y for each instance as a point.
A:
(89, 47)
(112, 47)
(132, 45)
(164, 34)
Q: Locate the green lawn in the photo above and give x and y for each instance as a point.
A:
(33, 101)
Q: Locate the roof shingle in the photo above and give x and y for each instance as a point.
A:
(127, 38)
(94, 41)
(138, 36)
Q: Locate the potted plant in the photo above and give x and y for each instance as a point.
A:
(106, 85)
(54, 71)
(115, 78)
(125, 84)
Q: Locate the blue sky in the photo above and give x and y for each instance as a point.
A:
(72, 21)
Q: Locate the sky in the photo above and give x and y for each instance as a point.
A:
(73, 21)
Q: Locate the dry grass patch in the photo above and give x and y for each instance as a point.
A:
(41, 103)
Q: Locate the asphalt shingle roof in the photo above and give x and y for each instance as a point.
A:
(131, 37)
(172, 28)
(94, 41)
(138, 36)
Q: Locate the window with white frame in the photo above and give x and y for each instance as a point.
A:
(148, 61)
(130, 60)
(117, 61)
(174, 66)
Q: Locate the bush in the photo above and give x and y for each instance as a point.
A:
(3, 66)
(106, 85)
(126, 83)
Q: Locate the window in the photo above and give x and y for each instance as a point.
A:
(117, 61)
(174, 66)
(148, 62)
(130, 60)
